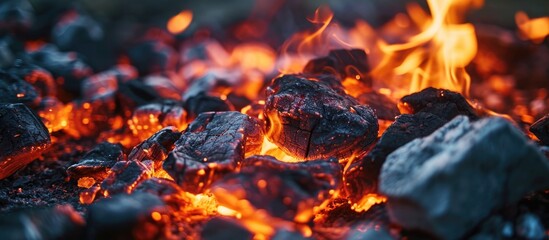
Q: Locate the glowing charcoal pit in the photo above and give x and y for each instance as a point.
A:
(23, 137)
(308, 119)
(212, 146)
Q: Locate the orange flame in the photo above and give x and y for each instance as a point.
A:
(180, 22)
(437, 56)
(533, 29)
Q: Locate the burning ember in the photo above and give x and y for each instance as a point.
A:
(169, 120)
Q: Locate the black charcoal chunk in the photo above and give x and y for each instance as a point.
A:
(59, 222)
(152, 56)
(106, 82)
(284, 195)
(309, 120)
(480, 166)
(156, 148)
(16, 16)
(541, 129)
(383, 106)
(97, 162)
(68, 69)
(443, 103)
(126, 217)
(124, 176)
(362, 176)
(23, 137)
(159, 186)
(219, 228)
(40, 78)
(213, 145)
(352, 63)
(202, 103)
(134, 93)
(81, 33)
(13, 89)
(146, 120)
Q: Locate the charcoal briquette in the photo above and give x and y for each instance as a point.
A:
(213, 145)
(308, 119)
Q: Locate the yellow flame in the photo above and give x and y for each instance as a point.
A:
(180, 22)
(535, 29)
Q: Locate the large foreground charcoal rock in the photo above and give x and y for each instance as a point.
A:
(308, 119)
(126, 217)
(213, 145)
(441, 102)
(23, 137)
(541, 129)
(446, 183)
(362, 176)
(60, 222)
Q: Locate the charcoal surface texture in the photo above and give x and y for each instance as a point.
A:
(213, 145)
(309, 120)
(220, 228)
(125, 217)
(429, 182)
(443, 103)
(283, 195)
(97, 162)
(125, 176)
(23, 137)
(541, 129)
(59, 222)
(362, 176)
(156, 148)
(342, 62)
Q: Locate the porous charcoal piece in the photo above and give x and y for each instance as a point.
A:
(40, 78)
(134, 93)
(383, 106)
(219, 228)
(272, 197)
(106, 82)
(125, 175)
(126, 217)
(202, 103)
(343, 62)
(443, 103)
(151, 57)
(67, 69)
(327, 170)
(541, 129)
(309, 120)
(15, 90)
(59, 222)
(146, 120)
(97, 162)
(430, 181)
(212, 146)
(362, 176)
(23, 137)
(156, 148)
(80, 33)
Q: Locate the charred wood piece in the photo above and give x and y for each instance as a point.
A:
(23, 137)
(309, 120)
(213, 145)
(97, 162)
(156, 148)
(541, 129)
(124, 176)
(443, 103)
(362, 176)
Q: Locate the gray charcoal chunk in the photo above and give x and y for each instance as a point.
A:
(308, 119)
(213, 145)
(23, 137)
(446, 183)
